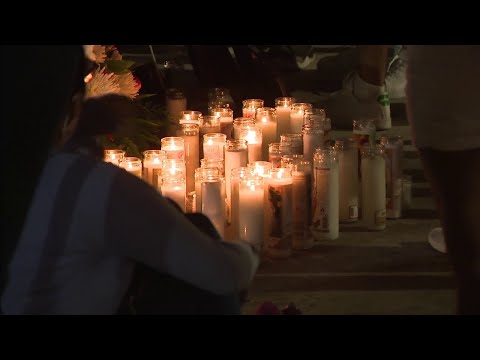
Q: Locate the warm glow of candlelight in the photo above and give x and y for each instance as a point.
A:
(251, 137)
(156, 161)
(264, 119)
(210, 142)
(280, 173)
(87, 78)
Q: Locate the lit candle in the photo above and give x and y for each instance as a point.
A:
(213, 145)
(192, 157)
(295, 141)
(280, 206)
(236, 175)
(174, 188)
(214, 163)
(250, 107)
(267, 121)
(241, 123)
(199, 174)
(313, 138)
(262, 168)
(283, 106)
(225, 116)
(251, 198)
(302, 204)
(171, 167)
(152, 166)
(296, 116)
(114, 156)
(213, 201)
(133, 165)
(174, 147)
(190, 117)
(253, 136)
(325, 223)
(236, 156)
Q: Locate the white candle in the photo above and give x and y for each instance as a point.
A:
(236, 156)
(393, 174)
(176, 103)
(133, 165)
(251, 205)
(253, 136)
(213, 145)
(213, 201)
(200, 173)
(225, 116)
(262, 168)
(373, 188)
(283, 106)
(297, 117)
(152, 166)
(113, 156)
(190, 117)
(325, 224)
(312, 139)
(250, 107)
(236, 175)
(348, 177)
(302, 204)
(280, 206)
(295, 141)
(192, 157)
(174, 188)
(174, 147)
(241, 123)
(267, 122)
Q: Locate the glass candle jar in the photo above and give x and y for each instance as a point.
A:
(266, 120)
(302, 204)
(133, 165)
(190, 117)
(113, 156)
(283, 107)
(173, 186)
(225, 117)
(251, 205)
(189, 133)
(373, 187)
(241, 123)
(296, 117)
(174, 147)
(250, 107)
(253, 137)
(393, 174)
(325, 223)
(296, 141)
(152, 166)
(214, 145)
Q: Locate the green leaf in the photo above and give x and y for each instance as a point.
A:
(119, 67)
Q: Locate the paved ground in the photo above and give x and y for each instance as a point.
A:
(390, 272)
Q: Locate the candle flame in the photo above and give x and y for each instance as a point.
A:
(251, 136)
(156, 161)
(130, 165)
(280, 173)
(264, 119)
(210, 142)
(252, 187)
(112, 156)
(187, 117)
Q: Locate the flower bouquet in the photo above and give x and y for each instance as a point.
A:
(115, 75)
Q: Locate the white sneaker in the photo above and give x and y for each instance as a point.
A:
(359, 100)
(396, 78)
(437, 241)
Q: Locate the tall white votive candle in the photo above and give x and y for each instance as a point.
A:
(225, 116)
(200, 173)
(174, 188)
(283, 106)
(267, 121)
(236, 175)
(253, 136)
(152, 166)
(236, 156)
(213, 201)
(174, 147)
(374, 198)
(133, 165)
(250, 107)
(214, 145)
(280, 206)
(251, 198)
(325, 224)
(114, 156)
(348, 177)
(297, 115)
(192, 156)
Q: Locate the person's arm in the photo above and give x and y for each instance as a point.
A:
(144, 226)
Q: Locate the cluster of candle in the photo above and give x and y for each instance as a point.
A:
(274, 176)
